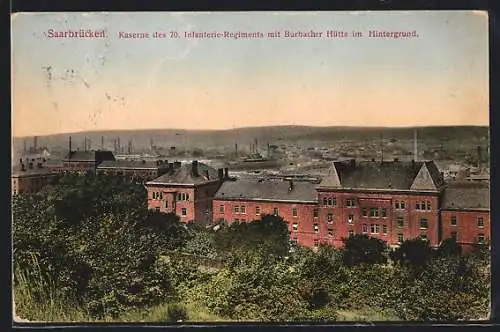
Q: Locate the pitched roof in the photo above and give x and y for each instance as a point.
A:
(98, 155)
(184, 175)
(466, 196)
(132, 164)
(253, 189)
(390, 175)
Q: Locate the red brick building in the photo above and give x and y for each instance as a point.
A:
(392, 201)
(187, 190)
(30, 178)
(465, 213)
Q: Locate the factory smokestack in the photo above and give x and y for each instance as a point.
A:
(102, 142)
(35, 139)
(415, 146)
(70, 144)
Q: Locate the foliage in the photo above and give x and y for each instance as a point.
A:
(413, 253)
(87, 248)
(362, 249)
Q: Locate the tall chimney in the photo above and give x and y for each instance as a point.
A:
(236, 148)
(35, 143)
(24, 147)
(89, 147)
(382, 146)
(226, 173)
(70, 144)
(102, 142)
(194, 168)
(119, 146)
(221, 173)
(256, 146)
(415, 146)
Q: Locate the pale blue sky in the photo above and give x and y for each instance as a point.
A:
(439, 78)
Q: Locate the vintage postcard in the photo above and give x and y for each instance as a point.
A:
(250, 166)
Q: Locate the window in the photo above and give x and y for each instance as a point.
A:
(329, 218)
(316, 228)
(384, 229)
(184, 211)
(187, 197)
(316, 243)
(294, 212)
(315, 213)
(330, 232)
(236, 209)
(295, 227)
(350, 219)
(221, 209)
(178, 196)
(351, 233)
(243, 209)
(349, 203)
(402, 205)
(400, 222)
(364, 212)
(417, 206)
(373, 212)
(453, 221)
(424, 223)
(276, 211)
(157, 209)
(375, 228)
(400, 238)
(384, 213)
(330, 201)
(257, 210)
(428, 205)
(397, 205)
(480, 222)
(422, 205)
(166, 204)
(365, 228)
(480, 238)
(325, 201)
(454, 236)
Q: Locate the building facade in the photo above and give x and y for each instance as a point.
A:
(392, 201)
(186, 190)
(465, 213)
(30, 178)
(84, 161)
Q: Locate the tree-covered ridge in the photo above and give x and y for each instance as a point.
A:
(89, 244)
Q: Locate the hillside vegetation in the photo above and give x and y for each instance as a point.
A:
(87, 249)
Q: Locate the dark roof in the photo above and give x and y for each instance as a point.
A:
(379, 175)
(184, 176)
(17, 172)
(98, 155)
(252, 189)
(435, 173)
(132, 164)
(466, 196)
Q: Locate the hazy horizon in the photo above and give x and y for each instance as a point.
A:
(440, 78)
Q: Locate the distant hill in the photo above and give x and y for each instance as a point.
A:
(245, 136)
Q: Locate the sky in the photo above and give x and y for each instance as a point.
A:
(63, 85)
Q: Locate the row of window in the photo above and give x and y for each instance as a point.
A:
(180, 196)
(398, 205)
(374, 212)
(480, 221)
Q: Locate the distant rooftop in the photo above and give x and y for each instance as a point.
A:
(97, 155)
(132, 164)
(35, 171)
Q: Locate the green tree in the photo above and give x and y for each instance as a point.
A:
(361, 249)
(413, 253)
